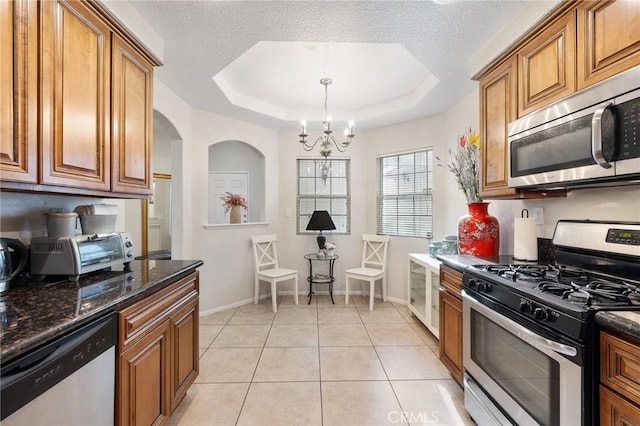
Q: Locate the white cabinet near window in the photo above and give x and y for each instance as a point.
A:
(424, 282)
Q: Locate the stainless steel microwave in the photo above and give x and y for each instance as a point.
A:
(591, 138)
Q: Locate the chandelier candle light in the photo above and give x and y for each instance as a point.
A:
(327, 138)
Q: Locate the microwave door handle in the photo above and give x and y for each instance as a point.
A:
(596, 137)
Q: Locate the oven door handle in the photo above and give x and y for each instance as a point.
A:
(596, 137)
(534, 339)
(520, 331)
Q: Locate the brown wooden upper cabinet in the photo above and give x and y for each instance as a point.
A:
(132, 121)
(18, 90)
(84, 94)
(546, 66)
(577, 44)
(76, 59)
(608, 39)
(498, 107)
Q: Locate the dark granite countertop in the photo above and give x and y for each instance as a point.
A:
(626, 322)
(33, 313)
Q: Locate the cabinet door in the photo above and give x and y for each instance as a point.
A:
(75, 96)
(620, 366)
(144, 392)
(451, 334)
(418, 290)
(184, 323)
(18, 90)
(498, 107)
(546, 66)
(132, 79)
(608, 39)
(617, 411)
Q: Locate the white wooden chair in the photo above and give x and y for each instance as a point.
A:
(373, 267)
(267, 269)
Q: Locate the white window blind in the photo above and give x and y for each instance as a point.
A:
(405, 188)
(330, 192)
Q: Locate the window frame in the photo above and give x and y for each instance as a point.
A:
(317, 175)
(427, 194)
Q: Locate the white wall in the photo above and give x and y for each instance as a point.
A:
(227, 274)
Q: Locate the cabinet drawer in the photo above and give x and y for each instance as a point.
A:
(620, 366)
(451, 280)
(137, 318)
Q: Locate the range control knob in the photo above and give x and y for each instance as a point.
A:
(541, 314)
(526, 307)
(472, 283)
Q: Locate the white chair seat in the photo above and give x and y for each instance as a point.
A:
(365, 273)
(277, 273)
(374, 253)
(266, 264)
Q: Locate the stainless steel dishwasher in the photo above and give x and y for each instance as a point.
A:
(68, 381)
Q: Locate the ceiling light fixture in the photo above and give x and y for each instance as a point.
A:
(326, 139)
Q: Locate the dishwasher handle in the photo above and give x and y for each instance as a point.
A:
(27, 377)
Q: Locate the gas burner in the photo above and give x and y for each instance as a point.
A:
(553, 287)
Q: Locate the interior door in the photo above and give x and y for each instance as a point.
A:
(219, 184)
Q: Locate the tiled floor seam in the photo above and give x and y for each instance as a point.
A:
(244, 400)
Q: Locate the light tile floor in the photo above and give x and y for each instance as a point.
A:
(320, 364)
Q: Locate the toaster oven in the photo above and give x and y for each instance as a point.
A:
(75, 256)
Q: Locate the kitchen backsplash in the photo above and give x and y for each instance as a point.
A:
(22, 214)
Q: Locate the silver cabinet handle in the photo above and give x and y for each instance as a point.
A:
(596, 137)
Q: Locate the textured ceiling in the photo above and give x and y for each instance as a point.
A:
(384, 47)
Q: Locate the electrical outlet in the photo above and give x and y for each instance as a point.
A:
(538, 215)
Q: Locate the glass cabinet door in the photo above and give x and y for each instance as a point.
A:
(418, 280)
(435, 301)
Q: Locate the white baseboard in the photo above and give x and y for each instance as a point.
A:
(290, 293)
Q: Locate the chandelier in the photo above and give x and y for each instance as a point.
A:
(326, 139)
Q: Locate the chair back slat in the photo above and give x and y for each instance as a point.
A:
(265, 252)
(374, 251)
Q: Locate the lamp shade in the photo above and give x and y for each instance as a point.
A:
(320, 221)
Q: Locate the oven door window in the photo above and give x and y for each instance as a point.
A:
(529, 376)
(560, 147)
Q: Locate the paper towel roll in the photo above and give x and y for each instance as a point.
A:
(525, 239)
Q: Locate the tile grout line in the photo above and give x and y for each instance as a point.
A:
(244, 400)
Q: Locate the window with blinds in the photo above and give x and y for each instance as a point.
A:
(405, 189)
(324, 185)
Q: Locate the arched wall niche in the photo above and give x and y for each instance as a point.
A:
(237, 167)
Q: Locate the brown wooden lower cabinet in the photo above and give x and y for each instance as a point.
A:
(616, 410)
(184, 323)
(451, 321)
(619, 380)
(158, 353)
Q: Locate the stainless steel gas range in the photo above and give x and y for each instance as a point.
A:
(530, 342)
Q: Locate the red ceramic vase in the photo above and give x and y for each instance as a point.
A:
(478, 231)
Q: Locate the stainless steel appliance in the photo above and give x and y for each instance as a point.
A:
(75, 256)
(11, 262)
(530, 344)
(69, 381)
(590, 138)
